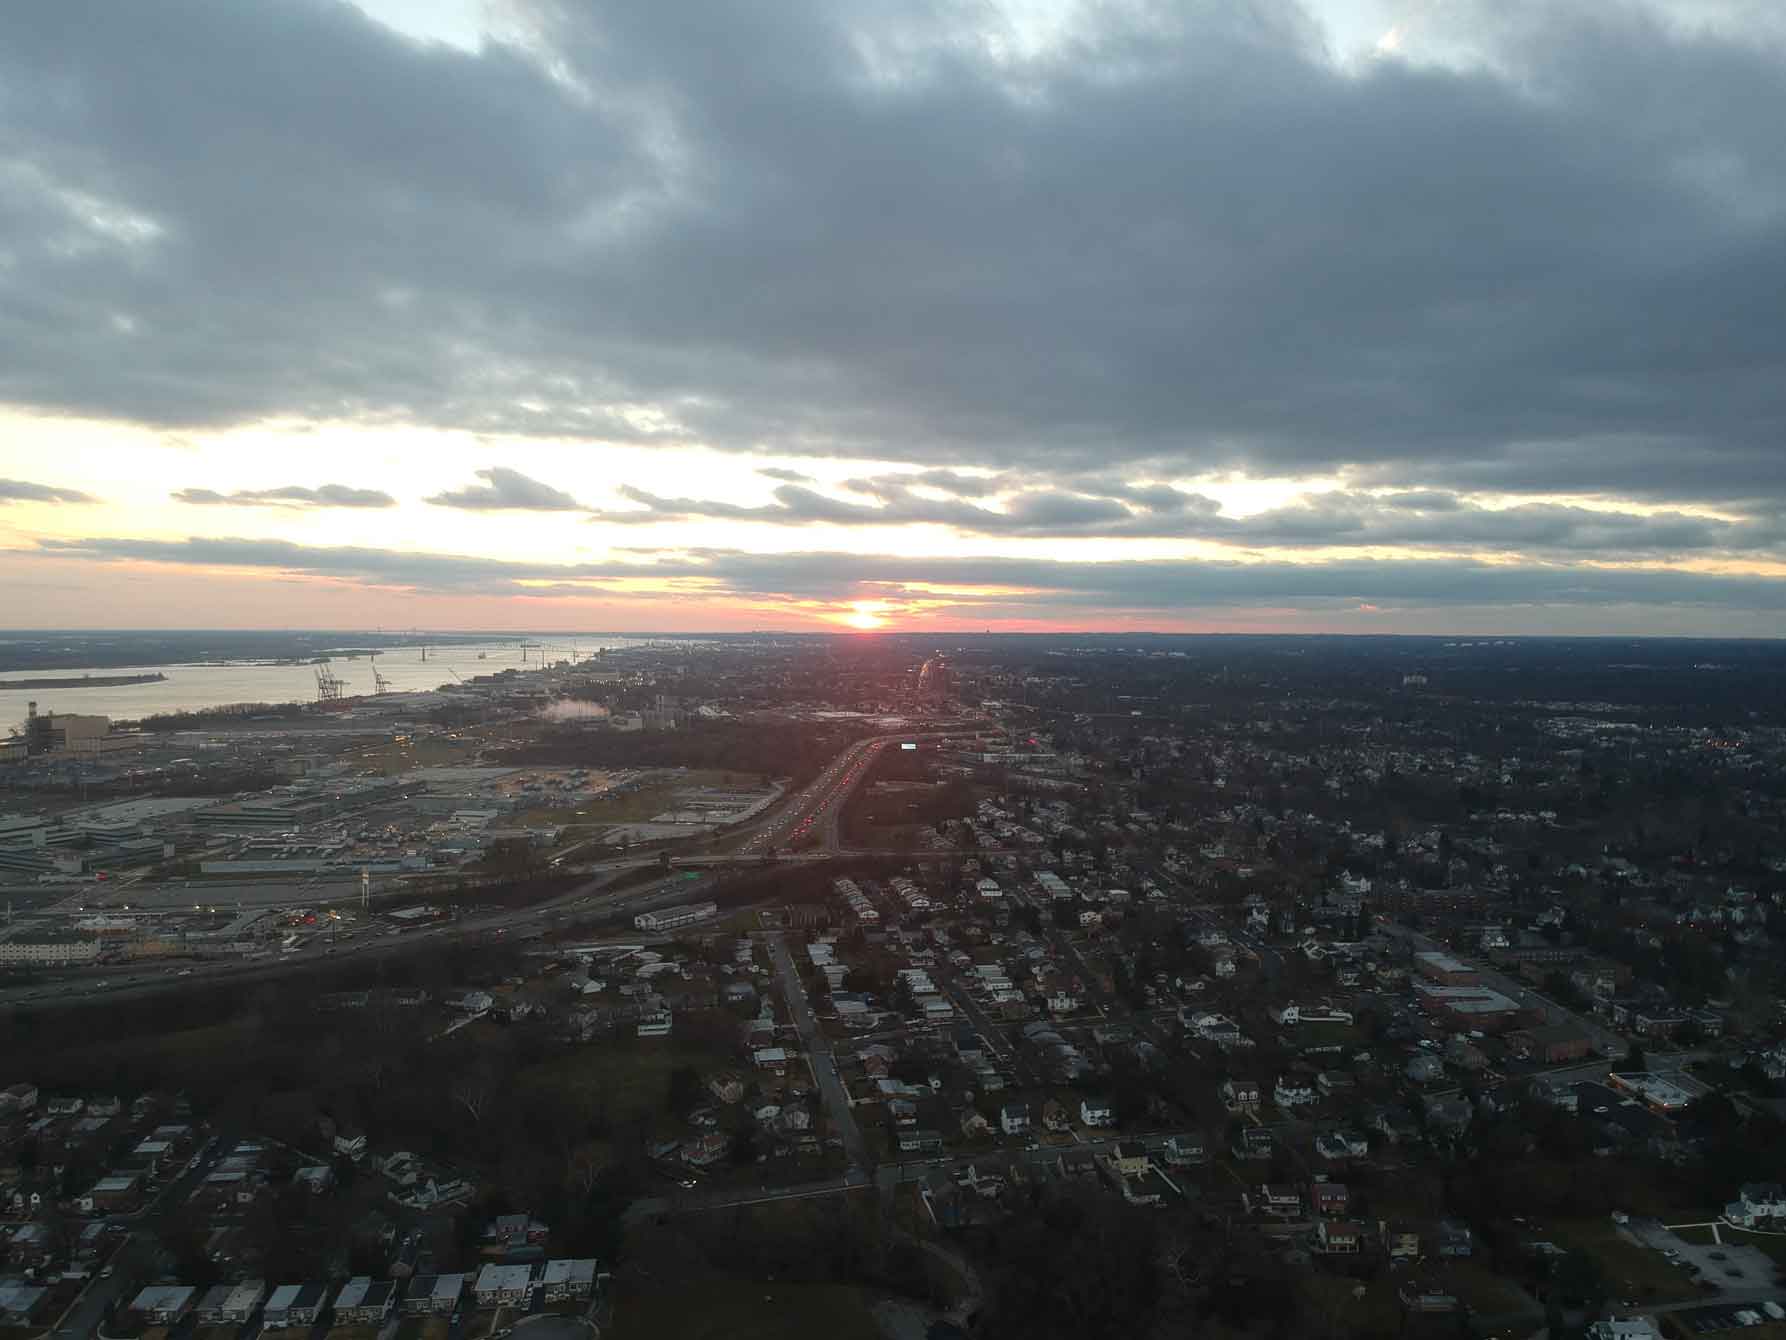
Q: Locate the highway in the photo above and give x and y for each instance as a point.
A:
(813, 813)
(810, 815)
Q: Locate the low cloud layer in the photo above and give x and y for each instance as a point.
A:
(291, 495)
(18, 490)
(507, 490)
(997, 587)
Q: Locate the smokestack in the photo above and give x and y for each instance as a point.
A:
(31, 711)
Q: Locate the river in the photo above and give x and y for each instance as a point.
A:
(192, 687)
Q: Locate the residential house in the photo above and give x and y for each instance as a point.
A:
(316, 1178)
(1455, 1239)
(17, 1099)
(295, 1305)
(502, 1286)
(1292, 1091)
(364, 1301)
(1056, 1117)
(1757, 1203)
(164, 1304)
(436, 1294)
(25, 1305)
(1338, 1145)
(1280, 1200)
(1339, 1237)
(1329, 1198)
(974, 1124)
(984, 1177)
(1394, 1124)
(915, 1141)
(1013, 1118)
(1425, 1068)
(230, 1304)
(1239, 1095)
(726, 1088)
(1401, 1241)
(1077, 1165)
(1131, 1158)
(1186, 1149)
(1096, 1112)
(1253, 1142)
(510, 1231)
(1629, 1328)
(1426, 1296)
(115, 1193)
(566, 1278)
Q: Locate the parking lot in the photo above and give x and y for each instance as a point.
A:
(1720, 1317)
(1728, 1266)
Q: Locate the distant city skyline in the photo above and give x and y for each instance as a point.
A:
(1353, 316)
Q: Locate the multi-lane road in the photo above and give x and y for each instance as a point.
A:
(811, 817)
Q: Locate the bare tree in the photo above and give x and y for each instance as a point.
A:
(473, 1091)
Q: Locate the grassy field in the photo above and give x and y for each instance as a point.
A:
(631, 1081)
(1631, 1271)
(747, 1311)
(1378, 1312)
(1481, 1289)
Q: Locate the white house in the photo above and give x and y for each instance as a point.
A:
(502, 1286)
(1757, 1202)
(1096, 1112)
(1292, 1092)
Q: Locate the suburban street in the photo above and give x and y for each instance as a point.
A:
(818, 1054)
(135, 1256)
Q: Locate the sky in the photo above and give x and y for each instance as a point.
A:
(1373, 316)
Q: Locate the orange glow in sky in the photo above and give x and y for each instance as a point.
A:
(867, 614)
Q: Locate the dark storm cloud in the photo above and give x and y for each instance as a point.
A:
(19, 490)
(507, 490)
(998, 586)
(1181, 237)
(291, 495)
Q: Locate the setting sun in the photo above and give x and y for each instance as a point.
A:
(867, 614)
